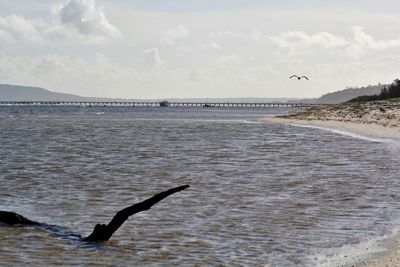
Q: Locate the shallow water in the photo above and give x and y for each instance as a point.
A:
(260, 193)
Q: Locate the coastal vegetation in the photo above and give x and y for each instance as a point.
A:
(390, 92)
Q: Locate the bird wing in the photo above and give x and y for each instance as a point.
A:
(293, 76)
(304, 77)
(125, 213)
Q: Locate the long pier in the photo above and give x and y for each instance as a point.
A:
(155, 104)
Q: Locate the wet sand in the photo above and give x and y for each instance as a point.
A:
(368, 130)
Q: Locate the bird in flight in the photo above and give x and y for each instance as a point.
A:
(298, 78)
(101, 232)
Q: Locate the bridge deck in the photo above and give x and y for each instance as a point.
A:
(156, 104)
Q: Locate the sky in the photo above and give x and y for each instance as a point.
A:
(154, 49)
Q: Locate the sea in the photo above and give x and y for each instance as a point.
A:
(260, 194)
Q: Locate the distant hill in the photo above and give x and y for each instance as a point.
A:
(26, 93)
(350, 93)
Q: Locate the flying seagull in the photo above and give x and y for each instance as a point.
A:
(298, 78)
(101, 232)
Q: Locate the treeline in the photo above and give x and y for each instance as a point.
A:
(388, 92)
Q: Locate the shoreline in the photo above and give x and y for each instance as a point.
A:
(373, 131)
(375, 122)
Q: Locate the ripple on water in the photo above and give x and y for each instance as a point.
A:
(259, 193)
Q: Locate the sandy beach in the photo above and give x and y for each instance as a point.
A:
(376, 120)
(373, 120)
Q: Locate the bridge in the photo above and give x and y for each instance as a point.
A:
(155, 104)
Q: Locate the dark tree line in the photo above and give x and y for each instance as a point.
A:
(388, 92)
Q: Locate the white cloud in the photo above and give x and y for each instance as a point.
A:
(151, 58)
(364, 42)
(172, 35)
(297, 40)
(17, 28)
(76, 20)
(87, 19)
(354, 48)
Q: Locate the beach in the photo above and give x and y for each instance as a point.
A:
(374, 120)
(379, 121)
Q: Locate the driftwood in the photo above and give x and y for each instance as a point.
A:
(101, 232)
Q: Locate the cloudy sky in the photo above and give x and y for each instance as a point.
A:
(199, 48)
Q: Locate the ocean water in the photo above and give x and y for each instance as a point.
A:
(261, 194)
